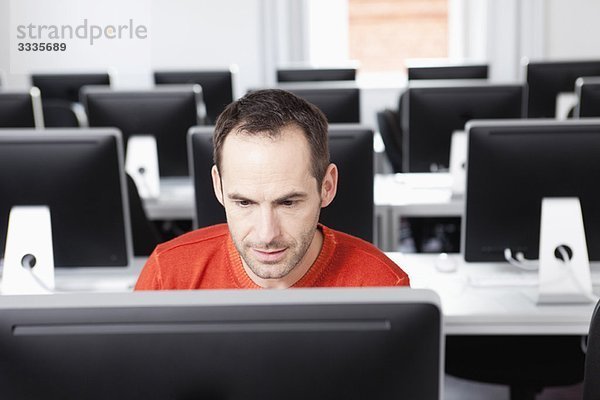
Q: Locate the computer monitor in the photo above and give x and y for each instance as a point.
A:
(21, 109)
(339, 102)
(315, 74)
(78, 174)
(588, 95)
(434, 110)
(66, 86)
(511, 166)
(333, 343)
(465, 71)
(217, 87)
(546, 80)
(165, 112)
(351, 149)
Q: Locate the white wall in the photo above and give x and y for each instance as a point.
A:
(186, 34)
(572, 29)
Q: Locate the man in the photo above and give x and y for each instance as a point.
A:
(272, 174)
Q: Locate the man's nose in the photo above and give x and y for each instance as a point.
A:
(268, 225)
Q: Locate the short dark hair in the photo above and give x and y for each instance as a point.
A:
(267, 112)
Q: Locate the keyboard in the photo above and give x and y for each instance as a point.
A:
(504, 280)
(508, 279)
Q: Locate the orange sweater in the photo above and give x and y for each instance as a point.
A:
(207, 259)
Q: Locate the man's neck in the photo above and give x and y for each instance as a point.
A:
(295, 274)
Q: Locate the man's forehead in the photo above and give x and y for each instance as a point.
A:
(241, 142)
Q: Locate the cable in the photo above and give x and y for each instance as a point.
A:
(28, 262)
(520, 261)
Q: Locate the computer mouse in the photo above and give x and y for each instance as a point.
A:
(445, 263)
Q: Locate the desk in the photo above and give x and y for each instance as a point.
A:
(493, 310)
(396, 195)
(176, 200)
(98, 279)
(413, 195)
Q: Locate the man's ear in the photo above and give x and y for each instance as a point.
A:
(329, 185)
(216, 180)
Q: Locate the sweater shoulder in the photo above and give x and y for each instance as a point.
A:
(214, 233)
(353, 251)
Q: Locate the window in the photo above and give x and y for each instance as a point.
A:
(385, 33)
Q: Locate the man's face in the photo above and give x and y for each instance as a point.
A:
(271, 199)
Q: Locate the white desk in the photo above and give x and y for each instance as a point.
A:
(176, 200)
(409, 195)
(98, 279)
(413, 195)
(493, 310)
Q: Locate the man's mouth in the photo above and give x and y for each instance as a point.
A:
(269, 256)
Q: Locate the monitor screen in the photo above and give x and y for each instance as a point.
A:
(166, 112)
(588, 94)
(546, 80)
(78, 174)
(472, 71)
(511, 166)
(20, 109)
(376, 343)
(339, 103)
(351, 149)
(217, 88)
(66, 86)
(315, 74)
(432, 112)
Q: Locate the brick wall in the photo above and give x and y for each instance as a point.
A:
(383, 33)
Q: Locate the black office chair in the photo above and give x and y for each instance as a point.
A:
(59, 114)
(145, 235)
(389, 128)
(591, 383)
(526, 363)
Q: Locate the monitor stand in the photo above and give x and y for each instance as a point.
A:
(141, 163)
(565, 102)
(564, 269)
(458, 161)
(28, 256)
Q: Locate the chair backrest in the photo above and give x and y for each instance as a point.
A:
(591, 383)
(59, 114)
(145, 235)
(390, 131)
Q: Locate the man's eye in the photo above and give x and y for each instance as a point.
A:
(288, 203)
(243, 203)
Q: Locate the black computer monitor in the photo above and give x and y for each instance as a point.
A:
(466, 71)
(511, 166)
(375, 343)
(351, 149)
(21, 109)
(165, 112)
(217, 88)
(545, 80)
(315, 74)
(339, 103)
(433, 111)
(588, 95)
(66, 86)
(78, 174)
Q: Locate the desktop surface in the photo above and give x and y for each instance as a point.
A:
(494, 298)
